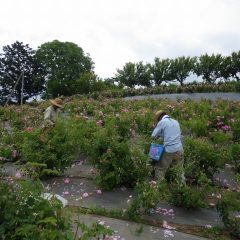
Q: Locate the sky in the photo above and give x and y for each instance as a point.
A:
(115, 32)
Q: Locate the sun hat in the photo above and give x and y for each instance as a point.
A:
(159, 113)
(57, 102)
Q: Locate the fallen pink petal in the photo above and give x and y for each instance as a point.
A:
(165, 225)
(208, 226)
(168, 233)
(66, 180)
(99, 191)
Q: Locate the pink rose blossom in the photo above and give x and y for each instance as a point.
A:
(18, 175)
(99, 122)
(14, 153)
(125, 110)
(100, 113)
(153, 182)
(85, 195)
(29, 129)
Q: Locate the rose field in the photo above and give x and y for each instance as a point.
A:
(114, 136)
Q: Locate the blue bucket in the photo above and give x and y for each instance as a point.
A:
(156, 151)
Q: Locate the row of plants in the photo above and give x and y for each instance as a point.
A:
(194, 87)
(115, 135)
(93, 131)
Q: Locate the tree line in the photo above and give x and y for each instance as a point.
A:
(209, 68)
(63, 68)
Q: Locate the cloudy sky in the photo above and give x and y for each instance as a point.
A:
(114, 32)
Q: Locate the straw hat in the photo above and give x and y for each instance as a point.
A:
(57, 102)
(158, 113)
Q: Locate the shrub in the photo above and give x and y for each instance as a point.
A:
(200, 156)
(118, 161)
(235, 152)
(120, 165)
(52, 146)
(147, 197)
(220, 137)
(228, 207)
(187, 197)
(199, 127)
(236, 131)
(26, 215)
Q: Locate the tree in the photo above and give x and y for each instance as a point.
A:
(181, 68)
(235, 65)
(64, 63)
(143, 74)
(127, 76)
(17, 63)
(160, 70)
(87, 83)
(209, 67)
(226, 68)
(134, 74)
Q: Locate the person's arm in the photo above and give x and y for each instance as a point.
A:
(158, 131)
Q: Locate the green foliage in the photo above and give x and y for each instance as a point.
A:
(15, 60)
(161, 70)
(235, 153)
(234, 68)
(88, 82)
(148, 195)
(228, 207)
(194, 87)
(64, 63)
(187, 197)
(95, 231)
(201, 157)
(26, 215)
(133, 74)
(181, 68)
(238, 177)
(6, 151)
(119, 165)
(236, 131)
(51, 146)
(203, 180)
(209, 67)
(199, 127)
(220, 138)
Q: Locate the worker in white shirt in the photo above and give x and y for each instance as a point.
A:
(52, 112)
(168, 129)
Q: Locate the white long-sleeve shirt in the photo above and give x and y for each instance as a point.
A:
(169, 130)
(51, 114)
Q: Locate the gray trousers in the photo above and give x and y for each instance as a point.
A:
(168, 160)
